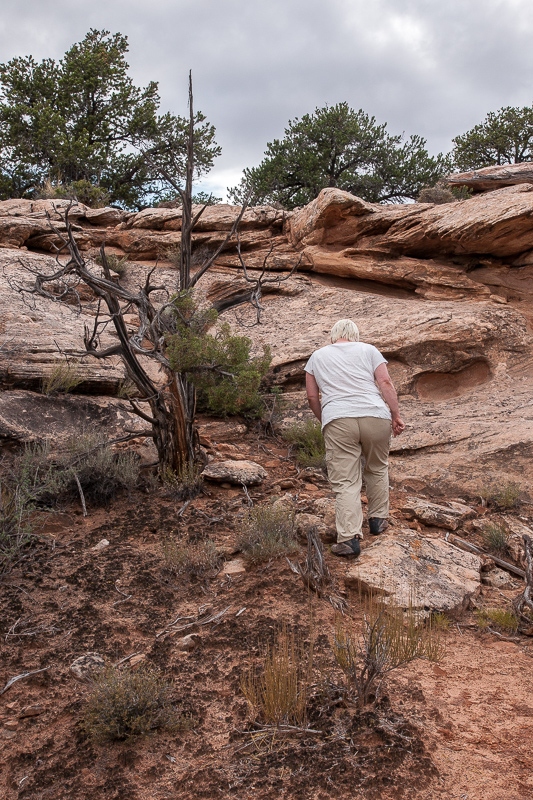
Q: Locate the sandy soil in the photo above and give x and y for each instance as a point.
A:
(460, 728)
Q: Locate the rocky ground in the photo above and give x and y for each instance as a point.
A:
(456, 728)
(445, 293)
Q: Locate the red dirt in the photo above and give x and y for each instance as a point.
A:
(457, 729)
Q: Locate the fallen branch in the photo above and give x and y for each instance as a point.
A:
(11, 681)
(197, 621)
(463, 545)
(523, 604)
(315, 573)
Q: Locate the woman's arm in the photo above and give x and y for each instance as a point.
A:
(388, 391)
(313, 395)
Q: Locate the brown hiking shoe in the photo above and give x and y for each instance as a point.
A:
(349, 548)
(377, 525)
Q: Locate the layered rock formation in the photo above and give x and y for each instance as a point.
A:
(444, 291)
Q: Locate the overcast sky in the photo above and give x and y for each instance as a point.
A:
(431, 67)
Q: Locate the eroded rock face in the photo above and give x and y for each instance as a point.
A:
(489, 178)
(427, 574)
(449, 516)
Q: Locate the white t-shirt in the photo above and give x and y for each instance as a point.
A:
(344, 372)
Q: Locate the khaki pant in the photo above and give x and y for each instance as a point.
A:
(346, 440)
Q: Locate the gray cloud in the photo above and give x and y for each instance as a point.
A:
(423, 66)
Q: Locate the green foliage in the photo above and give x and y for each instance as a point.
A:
(267, 532)
(184, 484)
(280, 692)
(82, 123)
(308, 440)
(130, 703)
(83, 191)
(116, 264)
(219, 366)
(504, 137)
(505, 495)
(496, 537)
(173, 200)
(190, 560)
(43, 481)
(501, 618)
(15, 525)
(337, 146)
(62, 379)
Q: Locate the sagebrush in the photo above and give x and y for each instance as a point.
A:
(308, 441)
(128, 703)
(267, 532)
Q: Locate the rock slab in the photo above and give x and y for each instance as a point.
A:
(449, 516)
(241, 472)
(425, 573)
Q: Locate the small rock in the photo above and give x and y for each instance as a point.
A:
(305, 521)
(497, 578)
(86, 666)
(11, 724)
(31, 711)
(7, 734)
(225, 485)
(241, 472)
(189, 642)
(286, 484)
(102, 544)
(448, 516)
(235, 567)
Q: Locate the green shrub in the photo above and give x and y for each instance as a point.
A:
(267, 532)
(503, 495)
(496, 537)
(44, 481)
(500, 618)
(62, 379)
(307, 439)
(116, 263)
(191, 560)
(15, 526)
(220, 367)
(129, 703)
(184, 484)
(173, 254)
(83, 191)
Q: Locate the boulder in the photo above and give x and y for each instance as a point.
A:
(427, 574)
(239, 472)
(449, 516)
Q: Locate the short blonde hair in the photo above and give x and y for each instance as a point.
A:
(345, 329)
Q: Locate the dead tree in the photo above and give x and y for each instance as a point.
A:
(523, 604)
(172, 402)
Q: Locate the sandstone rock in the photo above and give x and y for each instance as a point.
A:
(407, 569)
(487, 179)
(498, 578)
(450, 516)
(235, 567)
(85, 667)
(304, 521)
(31, 711)
(189, 643)
(30, 417)
(102, 544)
(428, 573)
(241, 472)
